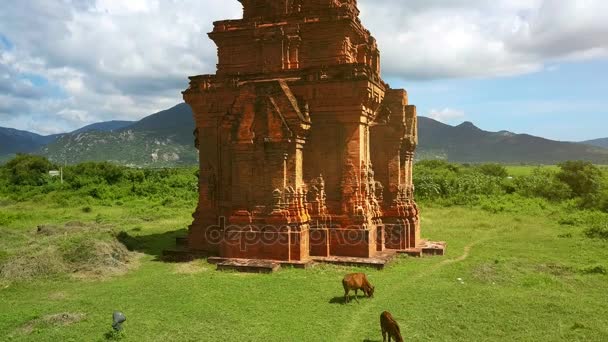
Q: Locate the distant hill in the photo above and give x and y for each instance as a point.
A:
(466, 143)
(107, 126)
(14, 141)
(160, 140)
(176, 123)
(597, 142)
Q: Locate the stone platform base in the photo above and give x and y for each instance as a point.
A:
(433, 247)
(413, 252)
(244, 264)
(247, 265)
(429, 248)
(379, 261)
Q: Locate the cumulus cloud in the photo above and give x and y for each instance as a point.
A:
(101, 59)
(446, 115)
(434, 39)
(72, 62)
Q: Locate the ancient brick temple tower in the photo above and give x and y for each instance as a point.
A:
(304, 150)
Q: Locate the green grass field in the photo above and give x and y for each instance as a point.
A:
(524, 277)
(526, 170)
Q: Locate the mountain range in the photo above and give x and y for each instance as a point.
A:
(597, 142)
(466, 143)
(165, 139)
(107, 126)
(15, 141)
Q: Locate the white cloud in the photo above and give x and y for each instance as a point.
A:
(430, 39)
(446, 115)
(105, 59)
(110, 59)
(126, 7)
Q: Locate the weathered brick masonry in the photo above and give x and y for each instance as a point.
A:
(304, 150)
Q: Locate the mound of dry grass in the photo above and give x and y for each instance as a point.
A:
(81, 250)
(57, 320)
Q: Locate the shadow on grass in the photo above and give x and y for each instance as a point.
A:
(340, 299)
(368, 340)
(153, 244)
(113, 335)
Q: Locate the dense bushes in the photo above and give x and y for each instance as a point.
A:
(493, 170)
(27, 170)
(448, 183)
(435, 179)
(90, 172)
(542, 183)
(26, 177)
(586, 183)
(583, 178)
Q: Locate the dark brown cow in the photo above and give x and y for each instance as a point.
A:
(357, 281)
(390, 327)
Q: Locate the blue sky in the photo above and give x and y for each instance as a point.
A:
(567, 101)
(534, 66)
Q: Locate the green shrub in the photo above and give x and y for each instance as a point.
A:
(583, 178)
(477, 184)
(28, 170)
(542, 183)
(91, 172)
(439, 179)
(135, 176)
(97, 191)
(493, 170)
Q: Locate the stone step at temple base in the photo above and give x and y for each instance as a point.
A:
(379, 261)
(268, 266)
(298, 264)
(252, 265)
(428, 248)
(413, 252)
(433, 247)
(246, 265)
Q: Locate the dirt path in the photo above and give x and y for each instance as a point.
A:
(346, 334)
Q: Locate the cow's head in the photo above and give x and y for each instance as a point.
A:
(369, 291)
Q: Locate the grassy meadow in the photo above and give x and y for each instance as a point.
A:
(526, 170)
(517, 268)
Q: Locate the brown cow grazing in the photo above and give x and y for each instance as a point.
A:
(356, 281)
(389, 327)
